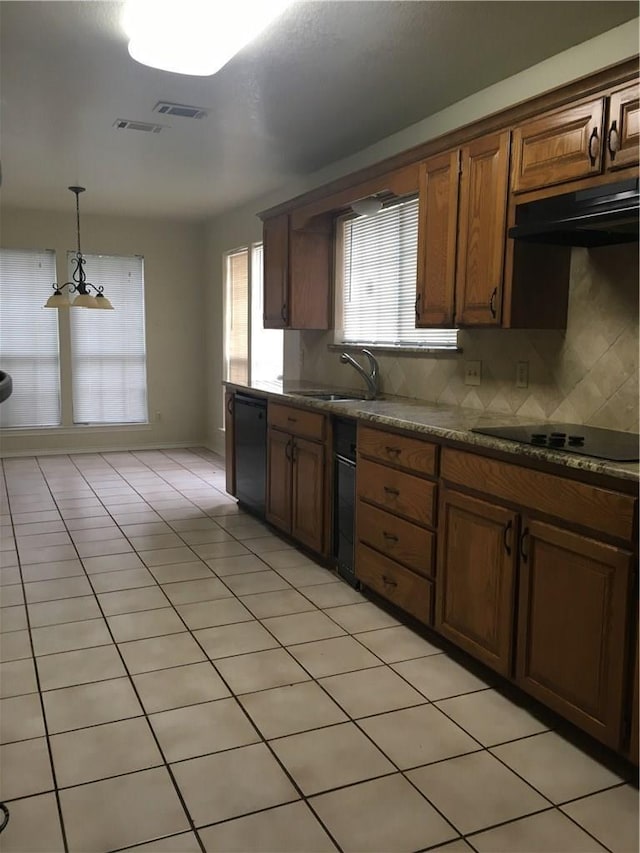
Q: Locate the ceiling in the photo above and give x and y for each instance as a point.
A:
(326, 80)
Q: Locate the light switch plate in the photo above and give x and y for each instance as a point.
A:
(472, 372)
(522, 374)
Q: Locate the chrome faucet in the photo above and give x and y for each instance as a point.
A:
(371, 378)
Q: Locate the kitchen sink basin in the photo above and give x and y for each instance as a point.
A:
(335, 396)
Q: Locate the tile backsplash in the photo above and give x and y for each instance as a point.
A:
(587, 374)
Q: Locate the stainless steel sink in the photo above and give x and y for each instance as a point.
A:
(334, 397)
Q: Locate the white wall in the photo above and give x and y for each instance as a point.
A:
(174, 301)
(240, 226)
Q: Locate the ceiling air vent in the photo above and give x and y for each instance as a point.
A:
(182, 110)
(148, 127)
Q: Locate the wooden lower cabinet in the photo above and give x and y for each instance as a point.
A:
(476, 577)
(296, 487)
(633, 714)
(278, 510)
(412, 593)
(573, 623)
(307, 516)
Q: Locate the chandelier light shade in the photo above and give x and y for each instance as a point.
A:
(79, 284)
(196, 37)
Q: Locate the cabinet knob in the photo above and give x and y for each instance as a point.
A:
(390, 491)
(613, 140)
(594, 146)
(392, 451)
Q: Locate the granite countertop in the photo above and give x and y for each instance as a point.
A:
(439, 421)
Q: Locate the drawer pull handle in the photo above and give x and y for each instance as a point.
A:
(594, 146)
(391, 537)
(613, 141)
(393, 451)
(492, 302)
(506, 536)
(525, 536)
(391, 491)
(292, 420)
(389, 581)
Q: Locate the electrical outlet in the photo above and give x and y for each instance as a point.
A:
(158, 416)
(472, 372)
(522, 374)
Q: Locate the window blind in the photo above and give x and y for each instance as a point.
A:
(237, 316)
(378, 275)
(108, 352)
(29, 338)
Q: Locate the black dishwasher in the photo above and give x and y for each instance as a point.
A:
(344, 500)
(250, 424)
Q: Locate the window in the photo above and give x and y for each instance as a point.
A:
(29, 339)
(236, 338)
(376, 271)
(108, 357)
(251, 352)
(267, 345)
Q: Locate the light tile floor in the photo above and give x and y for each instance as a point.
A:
(177, 678)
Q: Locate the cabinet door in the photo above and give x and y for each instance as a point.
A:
(634, 724)
(481, 230)
(437, 226)
(623, 132)
(278, 510)
(475, 577)
(310, 262)
(557, 147)
(573, 627)
(275, 235)
(229, 443)
(307, 507)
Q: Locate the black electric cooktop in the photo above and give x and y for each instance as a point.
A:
(573, 438)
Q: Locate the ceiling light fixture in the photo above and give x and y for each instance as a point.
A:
(79, 285)
(196, 37)
(367, 206)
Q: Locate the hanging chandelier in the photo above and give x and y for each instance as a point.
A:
(79, 283)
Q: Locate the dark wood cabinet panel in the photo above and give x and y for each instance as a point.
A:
(437, 233)
(481, 230)
(476, 577)
(573, 627)
(560, 146)
(307, 515)
(400, 540)
(411, 592)
(633, 716)
(297, 275)
(401, 493)
(278, 510)
(229, 443)
(623, 129)
(275, 236)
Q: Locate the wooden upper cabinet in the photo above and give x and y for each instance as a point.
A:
(275, 236)
(297, 274)
(560, 146)
(573, 622)
(438, 218)
(476, 577)
(481, 230)
(623, 128)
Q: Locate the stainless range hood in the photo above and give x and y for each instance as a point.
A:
(600, 216)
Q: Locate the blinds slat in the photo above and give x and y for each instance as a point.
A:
(379, 267)
(108, 347)
(29, 349)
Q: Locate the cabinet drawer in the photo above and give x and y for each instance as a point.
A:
(401, 540)
(298, 421)
(599, 509)
(396, 491)
(419, 457)
(410, 592)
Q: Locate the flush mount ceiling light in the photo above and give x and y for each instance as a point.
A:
(367, 206)
(79, 285)
(194, 37)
